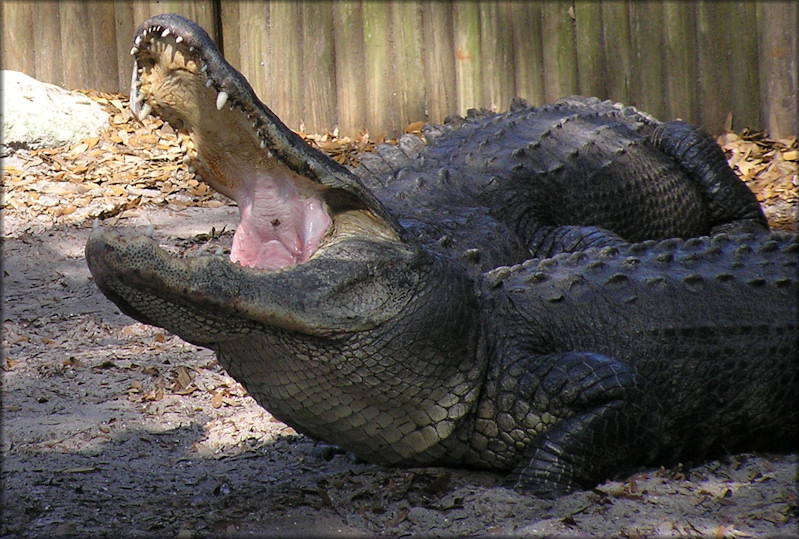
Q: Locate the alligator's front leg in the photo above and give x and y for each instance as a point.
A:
(590, 412)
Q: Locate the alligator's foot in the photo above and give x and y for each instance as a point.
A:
(608, 422)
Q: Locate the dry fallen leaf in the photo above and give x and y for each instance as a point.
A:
(183, 377)
(218, 399)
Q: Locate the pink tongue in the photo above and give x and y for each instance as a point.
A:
(271, 236)
(249, 250)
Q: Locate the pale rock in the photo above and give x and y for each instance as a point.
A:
(40, 115)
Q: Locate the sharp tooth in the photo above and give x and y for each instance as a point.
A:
(209, 82)
(165, 33)
(179, 39)
(138, 40)
(140, 97)
(221, 99)
(204, 68)
(150, 231)
(263, 144)
(145, 111)
(134, 50)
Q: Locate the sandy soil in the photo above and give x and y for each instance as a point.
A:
(114, 428)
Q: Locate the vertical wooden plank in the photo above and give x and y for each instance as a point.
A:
(745, 87)
(589, 41)
(618, 53)
(286, 62)
(406, 17)
(103, 73)
(778, 72)
(318, 68)
(125, 24)
(350, 70)
(647, 90)
(377, 34)
(18, 40)
(255, 43)
(497, 53)
(560, 62)
(681, 60)
(230, 24)
(76, 47)
(714, 81)
(528, 55)
(468, 60)
(439, 60)
(47, 54)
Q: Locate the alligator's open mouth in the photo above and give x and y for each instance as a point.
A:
(293, 200)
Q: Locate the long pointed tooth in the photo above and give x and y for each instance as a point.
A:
(145, 111)
(165, 33)
(221, 99)
(263, 144)
(150, 231)
(179, 39)
(134, 50)
(209, 82)
(140, 97)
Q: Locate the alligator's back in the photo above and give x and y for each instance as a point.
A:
(682, 349)
(577, 162)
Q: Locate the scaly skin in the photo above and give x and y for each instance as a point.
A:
(412, 328)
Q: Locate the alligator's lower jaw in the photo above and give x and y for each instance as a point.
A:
(198, 298)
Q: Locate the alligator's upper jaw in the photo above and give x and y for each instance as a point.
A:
(290, 196)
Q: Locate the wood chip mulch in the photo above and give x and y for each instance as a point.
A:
(133, 164)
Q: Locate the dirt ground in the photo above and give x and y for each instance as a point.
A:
(114, 428)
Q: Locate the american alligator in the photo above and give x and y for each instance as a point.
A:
(504, 297)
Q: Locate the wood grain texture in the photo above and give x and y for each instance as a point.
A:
(379, 65)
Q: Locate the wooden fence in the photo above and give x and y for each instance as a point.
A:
(379, 65)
